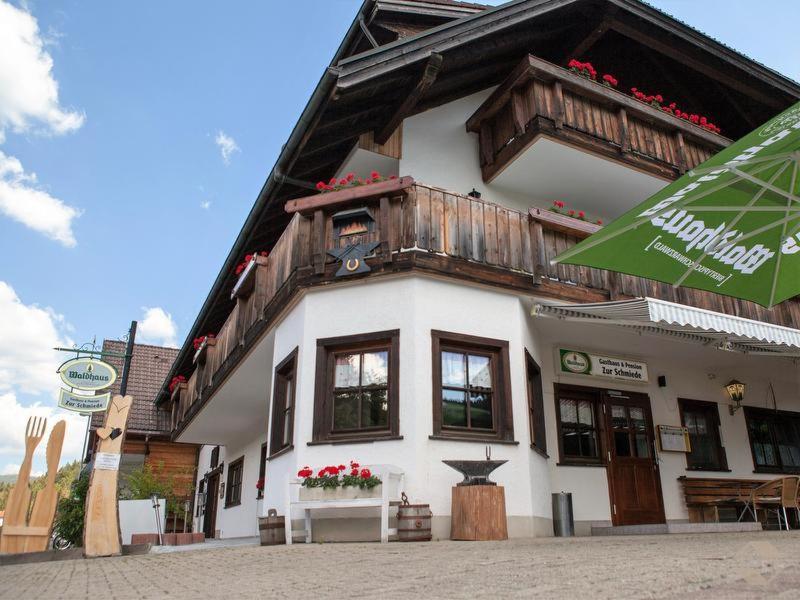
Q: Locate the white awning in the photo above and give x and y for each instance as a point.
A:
(694, 324)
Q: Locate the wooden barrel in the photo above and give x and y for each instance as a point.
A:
(414, 523)
(272, 529)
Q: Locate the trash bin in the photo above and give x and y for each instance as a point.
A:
(563, 525)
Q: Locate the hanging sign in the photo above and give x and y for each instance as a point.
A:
(87, 374)
(583, 363)
(83, 404)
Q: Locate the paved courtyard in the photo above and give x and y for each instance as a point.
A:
(734, 565)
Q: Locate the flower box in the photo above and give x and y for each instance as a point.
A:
(202, 351)
(247, 279)
(340, 493)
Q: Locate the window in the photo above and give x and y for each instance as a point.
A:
(471, 388)
(214, 457)
(233, 487)
(774, 439)
(576, 412)
(283, 399)
(535, 405)
(262, 470)
(702, 421)
(357, 387)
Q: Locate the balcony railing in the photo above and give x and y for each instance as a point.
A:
(540, 98)
(430, 230)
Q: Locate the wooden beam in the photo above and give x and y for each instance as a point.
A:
(586, 43)
(429, 74)
(310, 204)
(693, 63)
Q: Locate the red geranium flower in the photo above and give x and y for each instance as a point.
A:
(365, 473)
(354, 465)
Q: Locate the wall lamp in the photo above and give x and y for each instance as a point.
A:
(735, 390)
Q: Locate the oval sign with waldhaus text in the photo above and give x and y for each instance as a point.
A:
(87, 374)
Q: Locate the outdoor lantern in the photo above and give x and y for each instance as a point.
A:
(736, 392)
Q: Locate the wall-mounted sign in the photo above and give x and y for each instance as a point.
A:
(83, 404)
(87, 374)
(576, 362)
(106, 461)
(674, 439)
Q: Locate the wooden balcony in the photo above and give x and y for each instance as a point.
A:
(428, 230)
(541, 99)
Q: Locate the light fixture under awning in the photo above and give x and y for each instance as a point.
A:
(711, 328)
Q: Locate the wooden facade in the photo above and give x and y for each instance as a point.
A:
(433, 231)
(542, 99)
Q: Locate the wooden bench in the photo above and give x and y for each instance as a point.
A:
(392, 480)
(706, 495)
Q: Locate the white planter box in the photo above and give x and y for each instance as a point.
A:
(339, 493)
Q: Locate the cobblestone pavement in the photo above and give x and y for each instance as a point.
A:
(733, 565)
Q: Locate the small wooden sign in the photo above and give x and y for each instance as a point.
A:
(674, 439)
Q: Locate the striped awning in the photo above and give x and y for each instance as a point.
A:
(711, 328)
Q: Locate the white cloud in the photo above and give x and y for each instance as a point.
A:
(28, 90)
(27, 359)
(205, 204)
(157, 327)
(227, 146)
(23, 200)
(12, 433)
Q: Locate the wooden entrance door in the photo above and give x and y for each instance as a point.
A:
(212, 496)
(633, 477)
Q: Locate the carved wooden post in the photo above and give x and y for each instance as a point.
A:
(625, 142)
(558, 94)
(385, 227)
(682, 166)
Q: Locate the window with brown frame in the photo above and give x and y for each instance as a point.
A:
(535, 405)
(233, 486)
(578, 430)
(262, 470)
(774, 439)
(283, 398)
(214, 457)
(471, 388)
(702, 421)
(357, 387)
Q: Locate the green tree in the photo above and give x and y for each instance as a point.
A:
(69, 514)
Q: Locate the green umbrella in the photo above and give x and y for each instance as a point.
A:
(730, 226)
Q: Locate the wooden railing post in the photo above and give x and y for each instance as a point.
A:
(538, 251)
(385, 229)
(518, 110)
(318, 241)
(558, 94)
(681, 152)
(624, 135)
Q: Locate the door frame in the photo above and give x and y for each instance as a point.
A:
(212, 502)
(604, 397)
(607, 399)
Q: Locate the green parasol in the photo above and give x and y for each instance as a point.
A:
(730, 226)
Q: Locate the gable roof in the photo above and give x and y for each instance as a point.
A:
(359, 92)
(149, 367)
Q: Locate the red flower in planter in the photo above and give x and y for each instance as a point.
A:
(599, 222)
(247, 258)
(175, 382)
(354, 465)
(341, 467)
(260, 485)
(581, 214)
(610, 80)
(365, 474)
(305, 472)
(354, 472)
(571, 213)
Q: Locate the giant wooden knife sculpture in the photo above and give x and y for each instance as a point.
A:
(101, 534)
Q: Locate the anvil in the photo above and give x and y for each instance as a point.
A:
(352, 258)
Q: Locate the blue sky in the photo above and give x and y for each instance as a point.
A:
(138, 203)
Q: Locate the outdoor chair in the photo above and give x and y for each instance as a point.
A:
(778, 495)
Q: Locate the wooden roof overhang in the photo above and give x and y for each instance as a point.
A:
(364, 91)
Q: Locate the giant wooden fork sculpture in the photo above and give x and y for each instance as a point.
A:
(19, 534)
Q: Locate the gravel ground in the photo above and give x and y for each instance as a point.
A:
(732, 565)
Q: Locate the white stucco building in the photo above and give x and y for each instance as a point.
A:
(454, 340)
